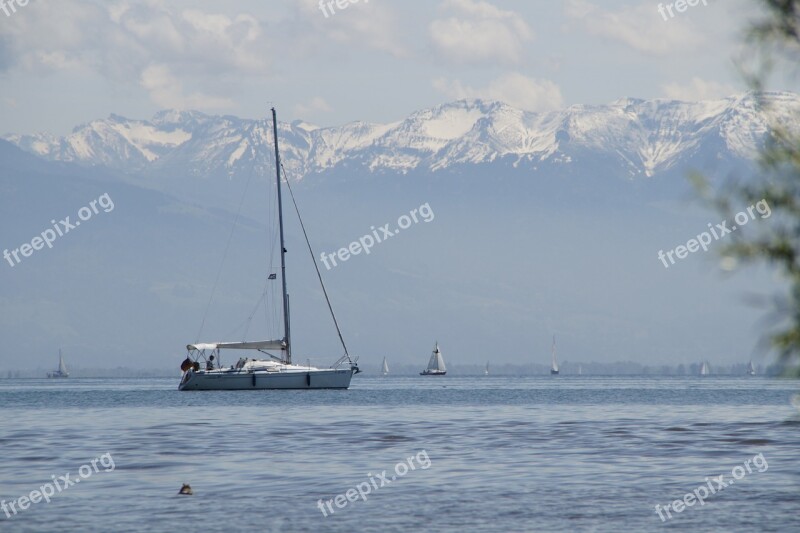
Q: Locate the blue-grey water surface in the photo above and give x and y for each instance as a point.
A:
(506, 454)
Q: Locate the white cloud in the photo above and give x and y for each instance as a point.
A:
(638, 27)
(371, 25)
(167, 91)
(698, 89)
(314, 106)
(145, 42)
(514, 89)
(477, 32)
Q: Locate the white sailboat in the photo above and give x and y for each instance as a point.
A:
(554, 366)
(751, 370)
(486, 372)
(385, 369)
(580, 370)
(62, 368)
(704, 369)
(435, 364)
(278, 371)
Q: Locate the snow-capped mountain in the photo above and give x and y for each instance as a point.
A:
(512, 242)
(639, 137)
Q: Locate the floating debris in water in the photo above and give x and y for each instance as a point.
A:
(186, 489)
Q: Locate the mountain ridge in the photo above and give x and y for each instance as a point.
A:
(642, 137)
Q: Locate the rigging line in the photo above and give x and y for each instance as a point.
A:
(270, 252)
(271, 208)
(271, 326)
(316, 266)
(225, 254)
(232, 333)
(253, 313)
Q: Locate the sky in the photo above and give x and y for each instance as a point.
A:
(67, 62)
(64, 63)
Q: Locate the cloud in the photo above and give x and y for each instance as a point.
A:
(514, 89)
(167, 91)
(314, 106)
(147, 43)
(477, 32)
(640, 27)
(698, 89)
(370, 25)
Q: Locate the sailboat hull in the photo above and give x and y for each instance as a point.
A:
(263, 380)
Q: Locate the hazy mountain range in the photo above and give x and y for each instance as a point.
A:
(545, 223)
(639, 137)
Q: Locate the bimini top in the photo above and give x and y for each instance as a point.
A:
(254, 345)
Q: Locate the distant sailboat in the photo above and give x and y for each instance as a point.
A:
(751, 370)
(554, 367)
(62, 368)
(435, 364)
(704, 370)
(486, 372)
(385, 367)
(580, 370)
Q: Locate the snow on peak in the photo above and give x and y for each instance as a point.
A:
(642, 136)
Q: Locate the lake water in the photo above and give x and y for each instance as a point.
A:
(488, 454)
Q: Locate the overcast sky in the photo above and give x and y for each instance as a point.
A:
(67, 62)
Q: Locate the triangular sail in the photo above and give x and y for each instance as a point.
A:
(555, 363)
(385, 367)
(440, 362)
(61, 366)
(437, 361)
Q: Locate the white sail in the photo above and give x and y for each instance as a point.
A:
(385, 367)
(435, 364)
(751, 370)
(704, 370)
(253, 345)
(437, 361)
(486, 372)
(554, 368)
(61, 366)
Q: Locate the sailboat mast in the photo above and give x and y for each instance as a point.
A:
(287, 334)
